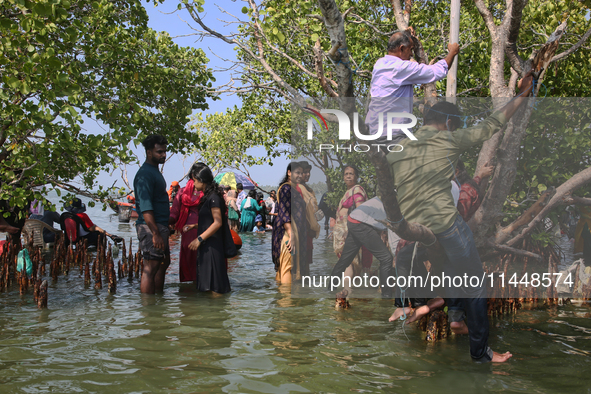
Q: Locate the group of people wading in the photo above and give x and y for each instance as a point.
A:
(422, 171)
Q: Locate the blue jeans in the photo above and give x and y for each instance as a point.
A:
(463, 258)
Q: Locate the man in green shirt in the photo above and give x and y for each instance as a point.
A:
(422, 172)
(151, 201)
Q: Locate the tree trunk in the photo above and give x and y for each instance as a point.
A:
(491, 210)
(336, 27)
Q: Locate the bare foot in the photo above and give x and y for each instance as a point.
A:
(501, 358)
(399, 312)
(342, 303)
(459, 327)
(342, 294)
(419, 312)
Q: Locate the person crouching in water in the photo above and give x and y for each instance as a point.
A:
(86, 228)
(258, 228)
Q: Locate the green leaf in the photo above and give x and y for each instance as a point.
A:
(13, 82)
(25, 89)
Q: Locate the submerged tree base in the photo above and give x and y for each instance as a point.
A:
(62, 259)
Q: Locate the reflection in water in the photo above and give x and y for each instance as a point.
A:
(260, 339)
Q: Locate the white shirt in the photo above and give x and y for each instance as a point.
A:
(392, 88)
(455, 192)
(370, 212)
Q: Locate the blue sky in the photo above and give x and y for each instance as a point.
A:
(163, 18)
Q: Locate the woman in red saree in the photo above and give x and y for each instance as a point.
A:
(183, 214)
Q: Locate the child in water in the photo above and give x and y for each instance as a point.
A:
(258, 228)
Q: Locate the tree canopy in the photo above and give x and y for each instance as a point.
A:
(66, 63)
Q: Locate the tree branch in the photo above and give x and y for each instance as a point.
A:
(123, 170)
(544, 56)
(347, 12)
(563, 192)
(576, 200)
(371, 25)
(320, 70)
(513, 79)
(76, 190)
(519, 252)
(407, 8)
(511, 45)
(294, 96)
(286, 56)
(572, 49)
(488, 18)
(336, 30)
(474, 89)
(319, 17)
(420, 54)
(509, 145)
(399, 15)
(504, 233)
(498, 35)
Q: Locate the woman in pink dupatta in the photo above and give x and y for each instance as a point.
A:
(353, 197)
(184, 212)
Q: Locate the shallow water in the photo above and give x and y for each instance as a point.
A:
(259, 339)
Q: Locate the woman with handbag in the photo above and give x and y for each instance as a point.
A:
(212, 271)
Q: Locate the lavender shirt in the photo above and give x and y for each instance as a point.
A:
(392, 87)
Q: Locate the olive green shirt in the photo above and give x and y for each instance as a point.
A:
(423, 170)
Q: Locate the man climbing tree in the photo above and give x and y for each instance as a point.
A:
(421, 174)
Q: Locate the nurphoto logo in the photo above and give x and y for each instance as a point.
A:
(393, 123)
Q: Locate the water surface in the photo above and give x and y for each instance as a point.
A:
(258, 339)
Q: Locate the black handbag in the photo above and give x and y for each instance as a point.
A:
(229, 246)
